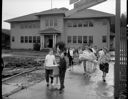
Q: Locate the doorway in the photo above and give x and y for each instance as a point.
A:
(48, 41)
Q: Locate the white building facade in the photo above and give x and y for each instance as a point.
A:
(49, 27)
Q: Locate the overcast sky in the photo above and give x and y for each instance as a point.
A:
(16, 8)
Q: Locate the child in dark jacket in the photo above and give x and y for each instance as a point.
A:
(62, 70)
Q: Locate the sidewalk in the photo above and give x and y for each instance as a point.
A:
(77, 86)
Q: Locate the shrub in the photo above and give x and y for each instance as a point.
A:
(36, 47)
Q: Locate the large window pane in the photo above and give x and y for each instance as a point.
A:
(74, 39)
(79, 39)
(69, 39)
(38, 39)
(51, 22)
(34, 39)
(30, 39)
(104, 39)
(55, 22)
(22, 39)
(13, 39)
(90, 39)
(26, 39)
(46, 22)
(84, 39)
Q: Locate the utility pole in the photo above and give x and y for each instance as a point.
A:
(51, 4)
(117, 51)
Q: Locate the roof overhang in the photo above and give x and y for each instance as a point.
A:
(49, 31)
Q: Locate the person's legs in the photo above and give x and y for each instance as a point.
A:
(70, 60)
(104, 76)
(62, 77)
(47, 76)
(51, 75)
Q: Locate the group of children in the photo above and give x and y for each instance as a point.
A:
(91, 57)
(54, 69)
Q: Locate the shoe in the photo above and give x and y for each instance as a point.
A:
(47, 85)
(104, 80)
(61, 88)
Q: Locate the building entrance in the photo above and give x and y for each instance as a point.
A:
(48, 41)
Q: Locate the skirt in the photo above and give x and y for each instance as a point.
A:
(104, 67)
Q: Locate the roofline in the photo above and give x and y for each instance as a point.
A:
(21, 21)
(49, 14)
(66, 18)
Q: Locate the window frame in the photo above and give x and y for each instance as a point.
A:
(80, 39)
(74, 39)
(69, 40)
(104, 39)
(22, 39)
(30, 40)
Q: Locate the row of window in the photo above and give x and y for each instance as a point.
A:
(80, 39)
(24, 26)
(50, 22)
(30, 39)
(86, 24)
(83, 39)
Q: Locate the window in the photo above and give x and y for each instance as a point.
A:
(90, 24)
(69, 25)
(69, 39)
(34, 39)
(90, 39)
(46, 22)
(30, 39)
(74, 25)
(74, 39)
(85, 24)
(55, 22)
(51, 22)
(22, 39)
(13, 39)
(38, 39)
(104, 39)
(12, 25)
(79, 39)
(79, 25)
(84, 39)
(26, 39)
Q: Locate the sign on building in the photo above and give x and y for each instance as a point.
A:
(82, 4)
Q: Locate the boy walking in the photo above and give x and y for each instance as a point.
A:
(62, 70)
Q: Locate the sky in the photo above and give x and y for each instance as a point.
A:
(16, 8)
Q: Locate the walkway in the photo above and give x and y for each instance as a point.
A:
(77, 86)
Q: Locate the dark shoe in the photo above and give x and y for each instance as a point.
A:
(61, 88)
(104, 80)
(47, 85)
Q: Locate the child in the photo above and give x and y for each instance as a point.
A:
(104, 63)
(62, 70)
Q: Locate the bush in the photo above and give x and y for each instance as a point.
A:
(61, 46)
(36, 47)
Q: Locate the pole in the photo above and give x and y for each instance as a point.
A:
(51, 4)
(117, 50)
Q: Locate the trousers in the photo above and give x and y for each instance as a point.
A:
(48, 73)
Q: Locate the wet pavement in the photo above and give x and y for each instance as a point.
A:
(77, 86)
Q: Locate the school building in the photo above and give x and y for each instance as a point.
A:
(74, 28)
